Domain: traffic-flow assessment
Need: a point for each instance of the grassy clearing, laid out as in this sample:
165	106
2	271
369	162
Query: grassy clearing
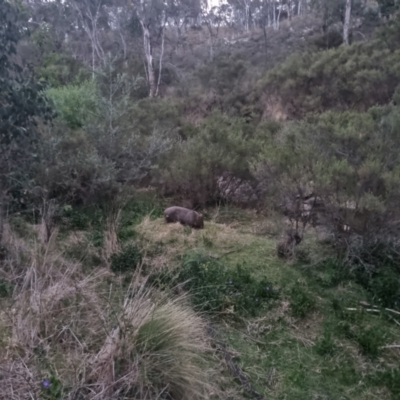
69	320
316	341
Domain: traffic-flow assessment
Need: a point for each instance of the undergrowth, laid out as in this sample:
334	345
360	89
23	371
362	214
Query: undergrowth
73	335
216	288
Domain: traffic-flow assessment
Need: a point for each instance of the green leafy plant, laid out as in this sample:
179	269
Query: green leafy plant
74	103
301	302
5	288
126	261
370	340
52	389
325	345
214	287
389	378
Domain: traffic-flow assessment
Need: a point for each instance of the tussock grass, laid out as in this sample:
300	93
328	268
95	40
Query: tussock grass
90	338
157	344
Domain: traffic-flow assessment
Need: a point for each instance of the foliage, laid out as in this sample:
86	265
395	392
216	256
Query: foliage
330	272
219	146
100	153
75	104
22	105
377	268
301	302
389	378
5	288
370	340
347	161
71	170
388	7
221	73
52	389
216	288
325	346
134	212
126	261
358	76
113	133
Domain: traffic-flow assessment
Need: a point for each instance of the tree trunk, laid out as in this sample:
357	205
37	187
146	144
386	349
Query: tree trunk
1	214
151	76
161	59
347	22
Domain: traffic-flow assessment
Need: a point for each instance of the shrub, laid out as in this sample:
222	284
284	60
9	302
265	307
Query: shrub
76	218
357	76
370	340
301	301
219	146
346	164
126	261
325	345
75	104
376	266
214	287
330	272
70	168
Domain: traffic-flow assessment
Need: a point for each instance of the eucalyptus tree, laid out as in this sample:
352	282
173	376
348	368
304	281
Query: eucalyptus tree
154	16
22	103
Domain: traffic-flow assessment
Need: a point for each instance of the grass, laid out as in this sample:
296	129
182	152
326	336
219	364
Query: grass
94	333
70	333
308	345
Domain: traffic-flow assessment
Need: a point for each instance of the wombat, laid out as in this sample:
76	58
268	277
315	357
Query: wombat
184	216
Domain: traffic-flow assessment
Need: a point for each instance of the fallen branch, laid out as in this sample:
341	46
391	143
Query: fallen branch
392	311
391	346
365	304
395	320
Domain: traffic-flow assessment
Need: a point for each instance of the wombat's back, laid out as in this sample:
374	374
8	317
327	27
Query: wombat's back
184	216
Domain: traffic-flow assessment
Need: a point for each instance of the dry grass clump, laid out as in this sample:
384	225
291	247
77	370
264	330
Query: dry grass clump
156	348
85	337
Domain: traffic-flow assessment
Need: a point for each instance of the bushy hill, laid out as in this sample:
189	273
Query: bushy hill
286	140
354	77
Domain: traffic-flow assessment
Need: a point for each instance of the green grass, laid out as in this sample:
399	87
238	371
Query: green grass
313	340
308	345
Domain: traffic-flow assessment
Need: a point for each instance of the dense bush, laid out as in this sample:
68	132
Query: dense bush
71	169
348	163
216	288
219	146
357	76
75	104
377	268
92	150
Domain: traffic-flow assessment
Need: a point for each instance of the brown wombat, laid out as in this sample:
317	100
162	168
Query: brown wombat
184	216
